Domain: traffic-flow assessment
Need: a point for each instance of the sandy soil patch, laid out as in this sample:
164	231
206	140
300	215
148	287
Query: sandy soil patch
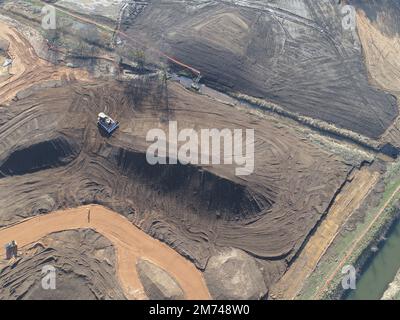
27	68
381	54
130	243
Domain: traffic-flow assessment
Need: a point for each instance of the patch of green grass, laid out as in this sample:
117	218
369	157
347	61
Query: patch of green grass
342	244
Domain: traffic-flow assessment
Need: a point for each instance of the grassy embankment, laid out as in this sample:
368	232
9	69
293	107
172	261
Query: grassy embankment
349	245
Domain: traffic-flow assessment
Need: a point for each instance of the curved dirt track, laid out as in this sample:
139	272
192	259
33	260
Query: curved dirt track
129	242
27	68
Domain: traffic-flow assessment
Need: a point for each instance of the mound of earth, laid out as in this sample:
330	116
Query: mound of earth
192	208
293	53
233	275
37	156
157	283
84	264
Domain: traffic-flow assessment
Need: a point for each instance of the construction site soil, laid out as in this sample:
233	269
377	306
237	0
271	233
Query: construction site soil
379	32
383	12
85	264
293	53
170	270
53	155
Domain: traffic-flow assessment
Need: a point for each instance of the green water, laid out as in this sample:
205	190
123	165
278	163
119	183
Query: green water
380	271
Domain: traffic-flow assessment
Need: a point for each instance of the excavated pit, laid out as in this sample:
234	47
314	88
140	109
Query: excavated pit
193	209
201	189
39	156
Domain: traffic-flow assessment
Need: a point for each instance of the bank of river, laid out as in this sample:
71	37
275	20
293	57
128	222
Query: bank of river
380	270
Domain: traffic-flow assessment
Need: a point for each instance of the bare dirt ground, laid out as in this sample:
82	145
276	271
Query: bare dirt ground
382	53
84	265
129	242
52	156
103	8
189	208
27	68
295	54
349	200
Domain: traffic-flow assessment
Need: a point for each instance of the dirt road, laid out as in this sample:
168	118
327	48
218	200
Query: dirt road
27	68
129	241
354	246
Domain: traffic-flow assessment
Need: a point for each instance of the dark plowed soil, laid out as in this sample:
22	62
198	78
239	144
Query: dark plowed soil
385	12
206	191
38	156
84	267
193	209
293	53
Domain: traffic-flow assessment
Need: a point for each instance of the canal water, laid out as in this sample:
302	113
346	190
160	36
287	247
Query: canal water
380	270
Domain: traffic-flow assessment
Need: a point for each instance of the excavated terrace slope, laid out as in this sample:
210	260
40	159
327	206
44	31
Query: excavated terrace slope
193	209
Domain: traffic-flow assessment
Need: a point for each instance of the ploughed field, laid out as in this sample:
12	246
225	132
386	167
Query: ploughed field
293	53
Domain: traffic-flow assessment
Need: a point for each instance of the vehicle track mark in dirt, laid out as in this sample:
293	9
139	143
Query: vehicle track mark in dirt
267	214
192	209
27	68
345	204
382	53
130	243
354	246
317	73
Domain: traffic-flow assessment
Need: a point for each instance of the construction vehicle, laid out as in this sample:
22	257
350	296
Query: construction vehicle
195	84
106	123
